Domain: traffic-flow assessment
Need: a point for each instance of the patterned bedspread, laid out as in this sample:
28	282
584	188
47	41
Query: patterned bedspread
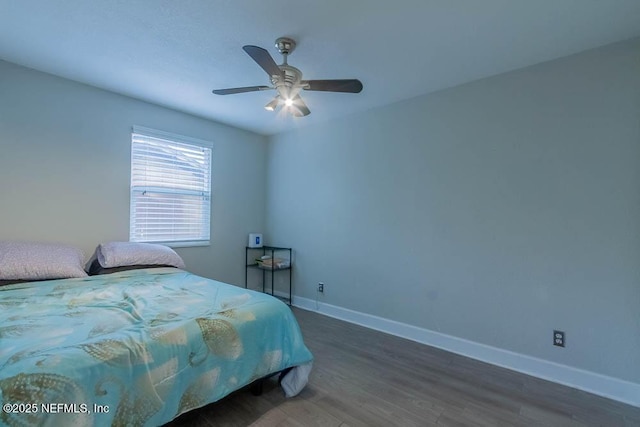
137	347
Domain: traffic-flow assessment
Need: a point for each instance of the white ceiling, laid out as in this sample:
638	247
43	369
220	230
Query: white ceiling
174	52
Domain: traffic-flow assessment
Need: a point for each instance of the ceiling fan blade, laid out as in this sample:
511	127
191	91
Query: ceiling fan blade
299	108
348	85
262	57
231	91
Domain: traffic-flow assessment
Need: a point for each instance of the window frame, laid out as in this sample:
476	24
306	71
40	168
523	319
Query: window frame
178	139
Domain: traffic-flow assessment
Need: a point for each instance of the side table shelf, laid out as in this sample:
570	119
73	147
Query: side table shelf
275	252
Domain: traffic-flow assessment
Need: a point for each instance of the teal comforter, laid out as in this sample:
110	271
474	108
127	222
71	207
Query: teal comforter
137	347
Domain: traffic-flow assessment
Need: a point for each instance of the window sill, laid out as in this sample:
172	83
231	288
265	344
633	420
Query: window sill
183	244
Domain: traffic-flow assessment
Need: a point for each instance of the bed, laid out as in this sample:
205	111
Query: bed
137	347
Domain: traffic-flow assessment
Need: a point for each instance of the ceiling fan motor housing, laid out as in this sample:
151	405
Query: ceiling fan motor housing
289	86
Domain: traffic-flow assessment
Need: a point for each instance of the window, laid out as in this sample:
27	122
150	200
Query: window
170	189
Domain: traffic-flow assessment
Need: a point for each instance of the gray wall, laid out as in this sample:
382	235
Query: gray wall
495	211
65	169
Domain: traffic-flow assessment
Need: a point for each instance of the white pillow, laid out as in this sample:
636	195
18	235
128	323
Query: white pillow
120	254
39	261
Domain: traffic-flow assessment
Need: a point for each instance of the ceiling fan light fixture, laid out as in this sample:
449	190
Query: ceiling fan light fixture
295	111
273	104
288	102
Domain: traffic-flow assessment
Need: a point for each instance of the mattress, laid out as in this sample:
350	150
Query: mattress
135	347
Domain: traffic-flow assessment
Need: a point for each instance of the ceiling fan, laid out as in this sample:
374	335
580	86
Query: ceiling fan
287	80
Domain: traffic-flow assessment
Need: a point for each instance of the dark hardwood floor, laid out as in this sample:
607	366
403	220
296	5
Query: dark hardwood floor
363	377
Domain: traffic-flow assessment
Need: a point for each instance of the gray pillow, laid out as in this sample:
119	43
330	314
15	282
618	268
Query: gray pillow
119	254
39	261
96	269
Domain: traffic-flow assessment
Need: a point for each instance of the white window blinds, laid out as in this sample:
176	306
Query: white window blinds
170	189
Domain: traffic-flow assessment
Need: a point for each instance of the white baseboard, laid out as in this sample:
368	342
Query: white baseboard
602	385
